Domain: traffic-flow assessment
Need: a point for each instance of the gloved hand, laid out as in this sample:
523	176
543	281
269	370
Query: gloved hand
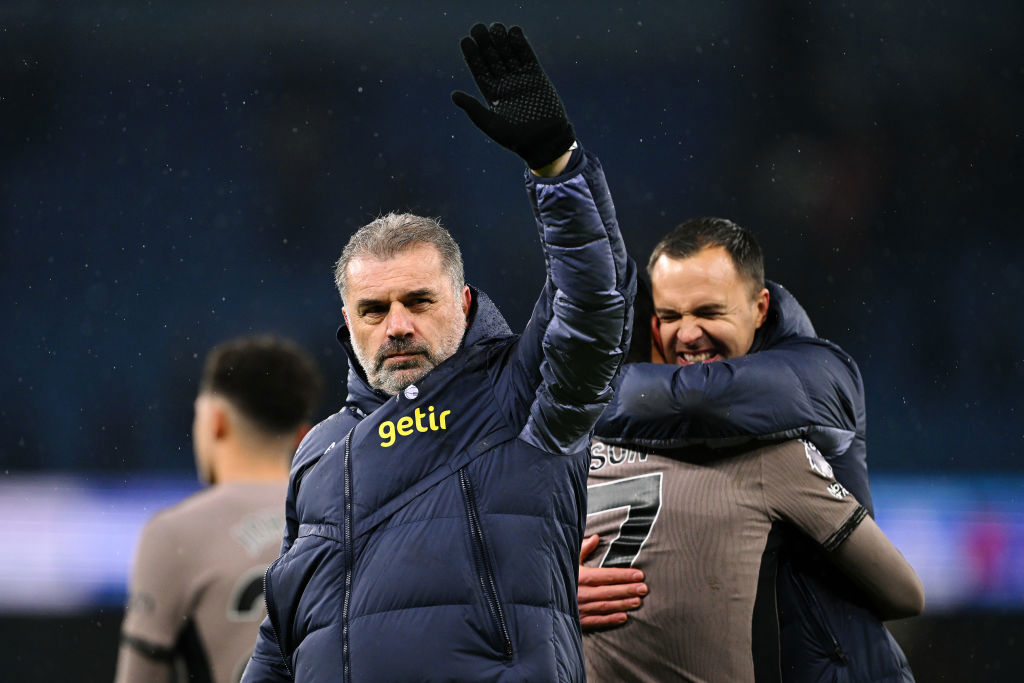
523	112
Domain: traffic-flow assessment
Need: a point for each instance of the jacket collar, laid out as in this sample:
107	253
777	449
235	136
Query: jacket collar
786	318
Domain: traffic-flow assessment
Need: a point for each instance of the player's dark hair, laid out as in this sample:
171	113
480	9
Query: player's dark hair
695	234
272	381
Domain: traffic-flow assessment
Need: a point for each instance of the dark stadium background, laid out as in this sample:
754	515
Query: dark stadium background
175	173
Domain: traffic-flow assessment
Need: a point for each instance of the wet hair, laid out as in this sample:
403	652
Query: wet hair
394	233
274	382
695	234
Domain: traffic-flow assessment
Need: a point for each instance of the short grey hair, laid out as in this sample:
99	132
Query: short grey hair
392	234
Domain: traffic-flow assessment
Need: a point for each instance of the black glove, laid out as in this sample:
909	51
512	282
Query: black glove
524	113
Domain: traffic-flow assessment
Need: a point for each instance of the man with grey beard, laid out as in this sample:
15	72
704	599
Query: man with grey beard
399	255
433	524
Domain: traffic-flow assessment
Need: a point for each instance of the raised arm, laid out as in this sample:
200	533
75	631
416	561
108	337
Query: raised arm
523	112
577	337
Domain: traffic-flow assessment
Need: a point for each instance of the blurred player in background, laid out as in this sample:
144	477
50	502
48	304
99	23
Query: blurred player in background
196	593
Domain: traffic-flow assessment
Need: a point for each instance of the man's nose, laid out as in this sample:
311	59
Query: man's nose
399	321
689	331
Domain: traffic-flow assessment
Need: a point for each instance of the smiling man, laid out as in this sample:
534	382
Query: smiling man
731	469
433	524
708	301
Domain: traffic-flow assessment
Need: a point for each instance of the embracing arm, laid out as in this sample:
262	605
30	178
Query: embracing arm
605	594
803	386
869	558
799	488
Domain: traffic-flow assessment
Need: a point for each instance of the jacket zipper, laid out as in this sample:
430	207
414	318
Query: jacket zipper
267	599
819	616
347	667
483	564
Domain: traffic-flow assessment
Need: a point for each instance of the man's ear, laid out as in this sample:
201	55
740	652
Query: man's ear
657	352
761	302
467	300
220	422
344	314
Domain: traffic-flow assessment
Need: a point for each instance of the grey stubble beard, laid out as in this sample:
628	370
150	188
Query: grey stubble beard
395	379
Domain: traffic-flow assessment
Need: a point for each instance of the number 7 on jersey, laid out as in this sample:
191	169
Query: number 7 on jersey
641	496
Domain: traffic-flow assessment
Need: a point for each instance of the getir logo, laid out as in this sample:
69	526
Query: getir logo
389	431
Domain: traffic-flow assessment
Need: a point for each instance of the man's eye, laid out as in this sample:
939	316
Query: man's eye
667	317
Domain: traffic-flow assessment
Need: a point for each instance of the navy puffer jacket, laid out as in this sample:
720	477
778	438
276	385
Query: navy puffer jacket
434	535
791	384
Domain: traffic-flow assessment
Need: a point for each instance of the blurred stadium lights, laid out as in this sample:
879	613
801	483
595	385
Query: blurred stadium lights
68	541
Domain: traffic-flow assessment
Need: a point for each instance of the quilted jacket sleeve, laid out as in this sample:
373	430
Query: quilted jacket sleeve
576	339
802	387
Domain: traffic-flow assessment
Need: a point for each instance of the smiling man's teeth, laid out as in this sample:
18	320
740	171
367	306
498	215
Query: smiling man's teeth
697	357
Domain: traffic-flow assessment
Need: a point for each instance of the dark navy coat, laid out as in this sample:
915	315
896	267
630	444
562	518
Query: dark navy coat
790	384
435	535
